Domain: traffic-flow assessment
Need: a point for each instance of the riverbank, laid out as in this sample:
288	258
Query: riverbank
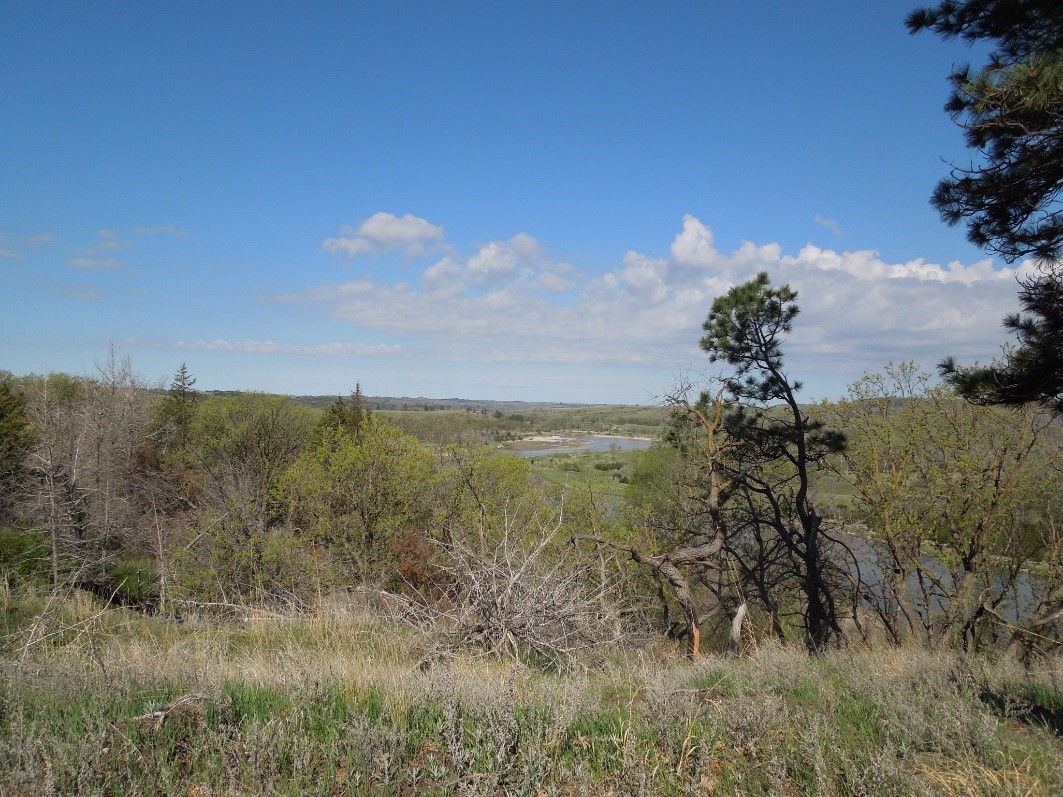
575	443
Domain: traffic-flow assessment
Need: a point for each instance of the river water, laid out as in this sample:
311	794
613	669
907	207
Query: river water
586	444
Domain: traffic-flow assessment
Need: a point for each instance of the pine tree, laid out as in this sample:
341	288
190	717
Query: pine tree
178	409
17	437
351	415
1011	112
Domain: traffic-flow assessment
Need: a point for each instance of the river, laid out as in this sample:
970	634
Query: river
547	445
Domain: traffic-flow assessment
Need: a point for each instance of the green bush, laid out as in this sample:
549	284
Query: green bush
24	554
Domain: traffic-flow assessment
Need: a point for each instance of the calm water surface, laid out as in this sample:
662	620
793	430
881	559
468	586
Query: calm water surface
590	444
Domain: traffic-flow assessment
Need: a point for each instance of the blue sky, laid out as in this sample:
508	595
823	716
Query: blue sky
487	200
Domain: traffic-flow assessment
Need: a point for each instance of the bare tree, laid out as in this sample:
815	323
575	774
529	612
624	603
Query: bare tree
85	494
525	595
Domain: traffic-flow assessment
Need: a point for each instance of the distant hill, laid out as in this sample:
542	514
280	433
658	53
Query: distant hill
422	403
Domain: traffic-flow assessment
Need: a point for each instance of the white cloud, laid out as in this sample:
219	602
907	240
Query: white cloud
444	279
494	261
552	282
10	253
110	242
645	276
866	265
695	245
857	310
383	232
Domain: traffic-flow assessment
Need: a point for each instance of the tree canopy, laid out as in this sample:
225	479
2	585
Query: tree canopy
1011	111
16	439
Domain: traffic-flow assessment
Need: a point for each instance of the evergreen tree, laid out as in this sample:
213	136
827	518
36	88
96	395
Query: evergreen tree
776	534
17	437
1031	372
177	409
351	415
1011	111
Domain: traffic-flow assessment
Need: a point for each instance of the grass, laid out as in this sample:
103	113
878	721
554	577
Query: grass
603	473
335	704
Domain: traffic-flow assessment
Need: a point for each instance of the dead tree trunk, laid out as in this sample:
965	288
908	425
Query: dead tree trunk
734	645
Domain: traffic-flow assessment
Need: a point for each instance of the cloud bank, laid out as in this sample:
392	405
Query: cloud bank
509	302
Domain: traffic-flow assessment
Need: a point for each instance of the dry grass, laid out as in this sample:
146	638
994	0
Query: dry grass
334	703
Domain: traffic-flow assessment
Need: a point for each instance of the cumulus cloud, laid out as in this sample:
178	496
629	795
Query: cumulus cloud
857	310
695	245
383	232
493	262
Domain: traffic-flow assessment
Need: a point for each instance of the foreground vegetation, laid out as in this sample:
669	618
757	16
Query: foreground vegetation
340	701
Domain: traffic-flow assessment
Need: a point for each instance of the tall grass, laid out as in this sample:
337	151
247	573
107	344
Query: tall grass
335	703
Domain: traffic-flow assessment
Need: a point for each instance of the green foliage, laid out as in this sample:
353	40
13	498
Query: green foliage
479	487
176	411
133	579
24	554
1032	371
240	448
959	499
663	495
1010	114
350	415
17	438
745	329
603	473
356	493
244	444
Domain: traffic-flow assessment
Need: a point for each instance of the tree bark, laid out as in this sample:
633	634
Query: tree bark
734	645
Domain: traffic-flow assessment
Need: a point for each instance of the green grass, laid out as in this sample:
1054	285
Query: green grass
335	704
603	473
